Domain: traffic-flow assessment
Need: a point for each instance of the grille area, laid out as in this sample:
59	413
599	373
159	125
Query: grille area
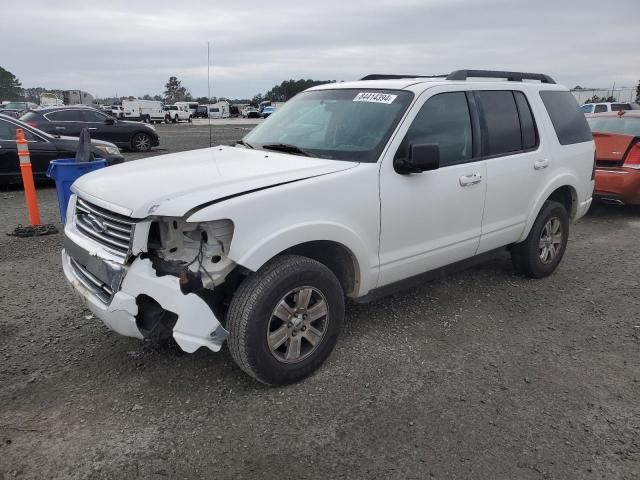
112	230
100	289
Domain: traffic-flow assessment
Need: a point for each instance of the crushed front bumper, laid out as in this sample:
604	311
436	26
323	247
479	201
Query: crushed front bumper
115	302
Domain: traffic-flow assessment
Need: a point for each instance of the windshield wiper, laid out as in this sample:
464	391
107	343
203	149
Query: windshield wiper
287	148
244	144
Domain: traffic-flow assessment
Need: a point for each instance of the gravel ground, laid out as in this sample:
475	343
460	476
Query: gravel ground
480	375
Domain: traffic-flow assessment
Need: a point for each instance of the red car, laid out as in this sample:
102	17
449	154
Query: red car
617	138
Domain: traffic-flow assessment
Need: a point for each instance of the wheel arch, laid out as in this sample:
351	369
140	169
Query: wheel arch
562	190
338	248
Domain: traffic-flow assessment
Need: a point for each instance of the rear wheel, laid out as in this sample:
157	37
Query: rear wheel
285	319
147	119
175	119
540	253
141	142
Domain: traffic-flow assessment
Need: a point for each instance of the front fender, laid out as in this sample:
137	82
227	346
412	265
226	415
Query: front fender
253	252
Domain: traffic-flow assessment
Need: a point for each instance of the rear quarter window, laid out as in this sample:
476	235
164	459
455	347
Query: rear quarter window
567	118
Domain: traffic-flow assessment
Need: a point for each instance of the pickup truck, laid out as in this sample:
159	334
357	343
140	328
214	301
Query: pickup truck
177	113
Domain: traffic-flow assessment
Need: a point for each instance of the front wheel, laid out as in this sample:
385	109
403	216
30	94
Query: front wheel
175	119
141	142
285	319
190	119
540	253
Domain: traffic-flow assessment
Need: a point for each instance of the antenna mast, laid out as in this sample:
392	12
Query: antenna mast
209	92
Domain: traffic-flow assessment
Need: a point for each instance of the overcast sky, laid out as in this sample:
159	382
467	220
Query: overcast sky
132	47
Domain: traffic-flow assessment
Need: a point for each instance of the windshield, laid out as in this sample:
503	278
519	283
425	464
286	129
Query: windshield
626	126
340	124
587	108
14	105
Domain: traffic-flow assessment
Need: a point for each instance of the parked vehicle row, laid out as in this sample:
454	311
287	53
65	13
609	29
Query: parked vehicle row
43	148
70	121
392	177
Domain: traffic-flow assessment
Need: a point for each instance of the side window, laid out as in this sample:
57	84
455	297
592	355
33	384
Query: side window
587	108
528	129
91	116
444	121
502	122
8	132
65	116
600	108
568	120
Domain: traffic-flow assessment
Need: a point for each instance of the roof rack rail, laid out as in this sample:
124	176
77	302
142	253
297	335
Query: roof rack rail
510	76
384	76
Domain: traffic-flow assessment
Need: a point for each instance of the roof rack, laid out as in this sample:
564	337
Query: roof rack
384	76
510	76
464	74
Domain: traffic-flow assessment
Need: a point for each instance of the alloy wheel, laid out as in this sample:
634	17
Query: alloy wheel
298	324
550	240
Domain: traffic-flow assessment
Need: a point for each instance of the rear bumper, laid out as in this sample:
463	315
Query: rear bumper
621	184
196	325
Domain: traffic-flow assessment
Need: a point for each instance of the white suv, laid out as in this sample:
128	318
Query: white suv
350	189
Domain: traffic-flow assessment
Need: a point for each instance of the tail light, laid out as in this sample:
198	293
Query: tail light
593	171
633	157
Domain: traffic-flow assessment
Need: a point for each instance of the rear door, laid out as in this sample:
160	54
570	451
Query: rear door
64	122
517	166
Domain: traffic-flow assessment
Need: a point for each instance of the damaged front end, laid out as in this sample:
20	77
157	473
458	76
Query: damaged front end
151	279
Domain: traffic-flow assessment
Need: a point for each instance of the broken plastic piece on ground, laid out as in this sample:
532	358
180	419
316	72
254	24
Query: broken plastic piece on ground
33	230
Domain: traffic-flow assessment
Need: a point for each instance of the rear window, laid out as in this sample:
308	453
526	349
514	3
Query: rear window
616	107
625	126
567	118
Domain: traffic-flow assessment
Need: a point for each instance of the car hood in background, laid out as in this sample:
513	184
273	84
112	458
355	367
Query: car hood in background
171	185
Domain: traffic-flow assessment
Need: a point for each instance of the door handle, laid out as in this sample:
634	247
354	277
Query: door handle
59	128
92	128
540	164
472	179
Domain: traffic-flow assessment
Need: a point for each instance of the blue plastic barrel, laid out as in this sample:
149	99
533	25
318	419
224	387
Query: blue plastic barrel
64	172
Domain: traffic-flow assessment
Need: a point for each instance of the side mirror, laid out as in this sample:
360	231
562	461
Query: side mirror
109	121
422	158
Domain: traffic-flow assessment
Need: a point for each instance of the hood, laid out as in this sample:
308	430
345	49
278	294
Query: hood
612	146
171	185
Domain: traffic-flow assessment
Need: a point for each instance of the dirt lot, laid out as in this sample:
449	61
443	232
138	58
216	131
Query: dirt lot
481	375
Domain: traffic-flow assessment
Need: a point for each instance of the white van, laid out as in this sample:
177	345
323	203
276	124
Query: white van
148	111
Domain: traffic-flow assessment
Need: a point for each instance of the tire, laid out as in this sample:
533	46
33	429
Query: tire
190	119
167	119
252	315
141	142
547	239
175	119
147	119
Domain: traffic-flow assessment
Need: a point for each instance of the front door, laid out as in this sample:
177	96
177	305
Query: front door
434	218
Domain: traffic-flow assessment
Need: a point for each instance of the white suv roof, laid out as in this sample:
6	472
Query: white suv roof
482	78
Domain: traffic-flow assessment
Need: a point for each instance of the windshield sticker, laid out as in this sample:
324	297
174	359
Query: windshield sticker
375	97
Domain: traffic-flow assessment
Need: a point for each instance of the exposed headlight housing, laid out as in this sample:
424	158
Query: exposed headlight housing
109	149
